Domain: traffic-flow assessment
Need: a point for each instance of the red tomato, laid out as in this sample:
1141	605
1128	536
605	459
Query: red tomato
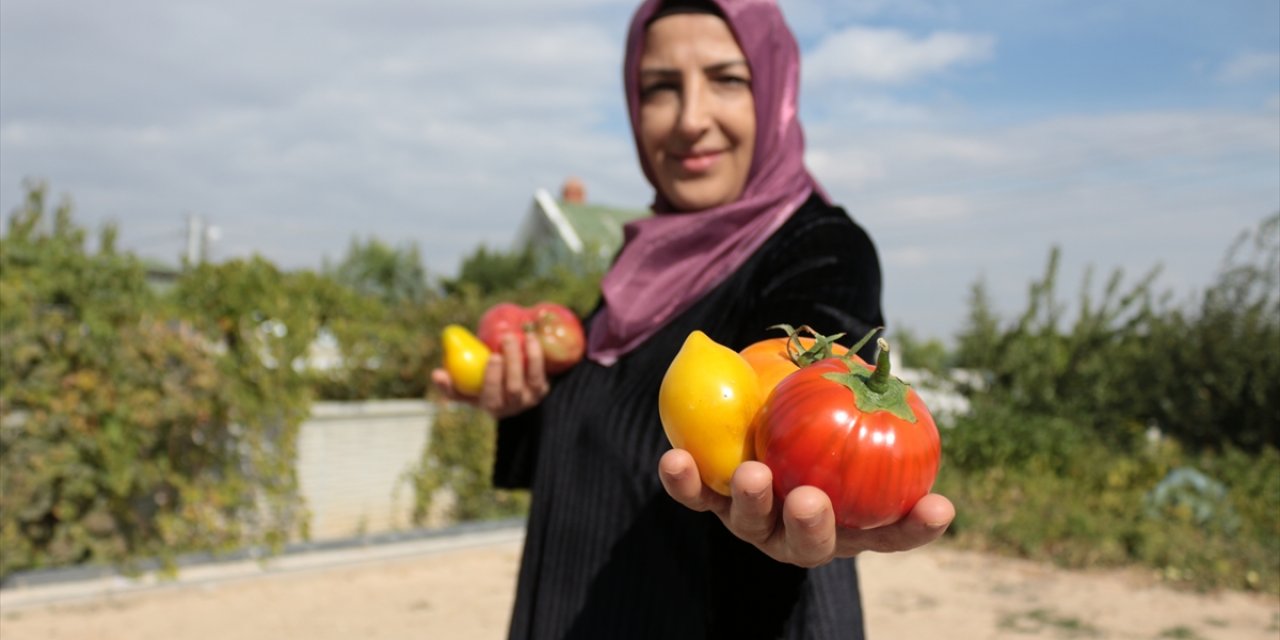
560	334
502	319
852	430
557	328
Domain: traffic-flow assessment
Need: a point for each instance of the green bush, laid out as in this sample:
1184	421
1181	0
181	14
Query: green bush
120	435
458	462
1078	429
1087	506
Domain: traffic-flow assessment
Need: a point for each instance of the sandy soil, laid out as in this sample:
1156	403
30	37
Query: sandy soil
465	594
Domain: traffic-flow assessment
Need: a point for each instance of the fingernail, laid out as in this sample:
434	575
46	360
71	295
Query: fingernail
810	520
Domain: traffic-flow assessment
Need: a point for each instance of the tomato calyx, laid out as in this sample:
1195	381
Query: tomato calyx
821	349
875	389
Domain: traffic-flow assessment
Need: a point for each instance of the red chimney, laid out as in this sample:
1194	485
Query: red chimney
573	191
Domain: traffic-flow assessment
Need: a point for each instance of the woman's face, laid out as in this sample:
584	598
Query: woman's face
697	115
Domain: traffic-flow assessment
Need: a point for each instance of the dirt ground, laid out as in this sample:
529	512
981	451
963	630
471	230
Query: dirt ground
465	594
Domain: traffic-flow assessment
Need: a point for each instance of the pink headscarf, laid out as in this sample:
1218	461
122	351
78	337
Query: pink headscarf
670	260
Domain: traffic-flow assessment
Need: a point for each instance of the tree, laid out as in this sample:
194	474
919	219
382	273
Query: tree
489	272
393	275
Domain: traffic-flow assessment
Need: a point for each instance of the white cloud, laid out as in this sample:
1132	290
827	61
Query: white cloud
1120	190
892	56
1250	65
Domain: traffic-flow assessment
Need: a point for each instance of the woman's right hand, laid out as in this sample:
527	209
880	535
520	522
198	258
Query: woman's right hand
512	383
800	529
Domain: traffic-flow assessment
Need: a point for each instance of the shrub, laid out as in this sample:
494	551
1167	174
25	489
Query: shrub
458	462
118	437
1077	443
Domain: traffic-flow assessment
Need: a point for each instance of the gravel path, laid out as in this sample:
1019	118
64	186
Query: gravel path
462	589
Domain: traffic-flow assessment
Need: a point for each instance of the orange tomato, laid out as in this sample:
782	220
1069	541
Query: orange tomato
772	361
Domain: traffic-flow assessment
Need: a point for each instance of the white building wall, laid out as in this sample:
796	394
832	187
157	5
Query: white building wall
353	458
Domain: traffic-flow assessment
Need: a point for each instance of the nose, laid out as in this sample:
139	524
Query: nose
695	110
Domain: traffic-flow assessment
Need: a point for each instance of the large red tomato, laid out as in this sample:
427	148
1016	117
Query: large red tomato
502	319
560	334
852	430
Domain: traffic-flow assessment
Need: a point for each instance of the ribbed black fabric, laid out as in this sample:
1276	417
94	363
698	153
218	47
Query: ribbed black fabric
608	554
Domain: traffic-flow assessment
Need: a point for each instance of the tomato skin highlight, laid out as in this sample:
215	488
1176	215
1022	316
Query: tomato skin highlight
465	358
707	401
874	465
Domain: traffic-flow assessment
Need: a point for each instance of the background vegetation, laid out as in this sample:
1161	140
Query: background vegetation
1139	431
1127	425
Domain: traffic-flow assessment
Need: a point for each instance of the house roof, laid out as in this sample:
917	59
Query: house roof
598	225
577	224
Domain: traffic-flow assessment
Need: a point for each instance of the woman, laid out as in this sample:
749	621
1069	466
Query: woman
743	239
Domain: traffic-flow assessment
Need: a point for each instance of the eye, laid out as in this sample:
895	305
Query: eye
653	89
732	80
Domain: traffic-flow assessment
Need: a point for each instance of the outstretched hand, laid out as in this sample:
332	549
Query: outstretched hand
512	383
802	530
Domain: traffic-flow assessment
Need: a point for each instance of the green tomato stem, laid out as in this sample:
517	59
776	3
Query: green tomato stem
875	391
879	380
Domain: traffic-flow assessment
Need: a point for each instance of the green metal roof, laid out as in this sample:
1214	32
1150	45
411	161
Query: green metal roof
597	225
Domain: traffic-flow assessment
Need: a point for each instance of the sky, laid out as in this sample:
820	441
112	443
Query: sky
968	138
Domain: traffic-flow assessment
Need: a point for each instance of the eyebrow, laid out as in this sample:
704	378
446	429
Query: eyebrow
713	68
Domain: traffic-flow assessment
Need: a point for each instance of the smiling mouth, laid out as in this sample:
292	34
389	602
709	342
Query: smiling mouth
699	162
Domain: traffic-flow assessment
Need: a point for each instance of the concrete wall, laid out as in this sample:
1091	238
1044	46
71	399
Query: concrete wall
352	461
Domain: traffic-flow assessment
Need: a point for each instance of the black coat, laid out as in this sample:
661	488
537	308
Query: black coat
608	554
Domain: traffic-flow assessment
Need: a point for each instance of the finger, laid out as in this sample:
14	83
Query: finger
444	382
514	371
751	514
926	522
492	394
535	369
679	475
810	526
934	512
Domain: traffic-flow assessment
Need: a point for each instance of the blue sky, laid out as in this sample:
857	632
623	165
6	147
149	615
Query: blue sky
967	137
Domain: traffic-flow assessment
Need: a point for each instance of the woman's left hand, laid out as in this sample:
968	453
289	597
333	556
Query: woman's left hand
801	531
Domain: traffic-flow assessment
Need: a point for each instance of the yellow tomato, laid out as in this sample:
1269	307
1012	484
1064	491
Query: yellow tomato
465	358
707	401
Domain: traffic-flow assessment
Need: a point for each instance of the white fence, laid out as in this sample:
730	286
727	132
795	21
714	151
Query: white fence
352	461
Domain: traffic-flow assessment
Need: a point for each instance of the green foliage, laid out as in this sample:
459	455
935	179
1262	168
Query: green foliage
927	355
1085	506
517	277
375	318
491	272
379	350
1214	366
263	322
1080	434
1036	367
117	431
459	462
392	275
